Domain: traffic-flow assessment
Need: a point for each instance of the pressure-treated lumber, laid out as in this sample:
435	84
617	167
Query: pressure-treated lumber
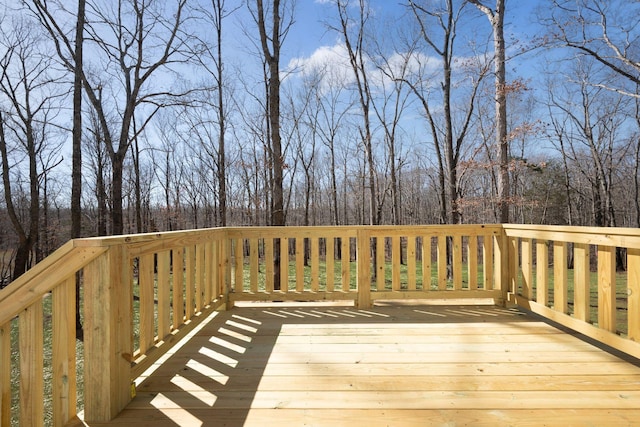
310	364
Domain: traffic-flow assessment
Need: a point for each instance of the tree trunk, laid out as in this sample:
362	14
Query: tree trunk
76	156
271	51
76	167
496	18
117	223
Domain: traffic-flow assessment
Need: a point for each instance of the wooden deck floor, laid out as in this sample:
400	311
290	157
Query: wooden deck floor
388	366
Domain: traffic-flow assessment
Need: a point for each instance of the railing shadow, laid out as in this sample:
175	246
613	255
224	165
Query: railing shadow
214	378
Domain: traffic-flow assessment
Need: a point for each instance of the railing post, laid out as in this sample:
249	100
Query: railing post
363	259
108	335
501	262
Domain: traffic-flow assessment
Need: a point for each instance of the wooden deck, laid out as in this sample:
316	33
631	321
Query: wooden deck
407	365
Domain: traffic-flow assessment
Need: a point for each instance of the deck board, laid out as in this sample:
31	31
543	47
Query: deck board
401	366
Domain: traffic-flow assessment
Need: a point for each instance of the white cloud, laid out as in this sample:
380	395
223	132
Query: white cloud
332	62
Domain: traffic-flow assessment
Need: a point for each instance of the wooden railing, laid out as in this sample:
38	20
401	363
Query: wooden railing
135	309
142	293
364	264
585	278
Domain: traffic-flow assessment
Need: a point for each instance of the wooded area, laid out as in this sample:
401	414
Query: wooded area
132	116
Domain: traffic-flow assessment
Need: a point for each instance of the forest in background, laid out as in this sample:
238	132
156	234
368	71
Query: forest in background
132	116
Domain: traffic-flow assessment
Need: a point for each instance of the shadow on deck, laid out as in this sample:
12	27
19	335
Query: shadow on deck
305	364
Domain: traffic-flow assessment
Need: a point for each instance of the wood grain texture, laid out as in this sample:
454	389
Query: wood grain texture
5	374
396	365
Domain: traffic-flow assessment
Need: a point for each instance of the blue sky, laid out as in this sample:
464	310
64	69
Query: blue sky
310	33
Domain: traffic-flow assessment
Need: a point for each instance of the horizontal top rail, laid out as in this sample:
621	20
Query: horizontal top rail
44	276
605	236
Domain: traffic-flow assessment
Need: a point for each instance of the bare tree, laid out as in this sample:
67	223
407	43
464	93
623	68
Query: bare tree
30	91
353	32
99	166
389	111
136	39
76	167
604	30
589	137
437	30
213	62
274	23
496	18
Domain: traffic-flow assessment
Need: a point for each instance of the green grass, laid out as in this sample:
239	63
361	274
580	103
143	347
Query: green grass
621	296
621	284
47	368
322	272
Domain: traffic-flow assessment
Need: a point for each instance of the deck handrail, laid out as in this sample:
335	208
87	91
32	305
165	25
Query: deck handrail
591	307
136	307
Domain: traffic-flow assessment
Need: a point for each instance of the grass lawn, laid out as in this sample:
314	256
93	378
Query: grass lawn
621	296
47	368
337	274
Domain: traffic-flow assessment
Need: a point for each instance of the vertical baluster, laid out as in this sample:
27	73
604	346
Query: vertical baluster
542	272
190	278
268	264
633	292
164	292
238	284
395	263
224	265
442	262
208	283
488	262
411	263
5	374
457	262
64	351
607	288
472	262
284	264
253	264
363	256
216	269
581	282
527	269
200	277
31	365
330	264
426	263
514	258
381	265
146	300
345	264
299	263
560	302
178	287
315	263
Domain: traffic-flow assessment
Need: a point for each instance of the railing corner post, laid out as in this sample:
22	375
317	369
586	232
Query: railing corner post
108	335
363	259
